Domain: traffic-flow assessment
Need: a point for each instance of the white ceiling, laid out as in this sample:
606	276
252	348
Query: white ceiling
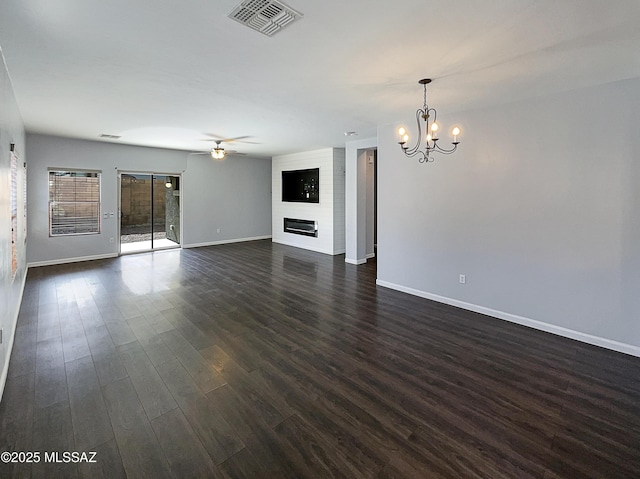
164	72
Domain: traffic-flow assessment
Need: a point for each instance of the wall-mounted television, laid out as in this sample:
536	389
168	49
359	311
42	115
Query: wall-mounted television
301	185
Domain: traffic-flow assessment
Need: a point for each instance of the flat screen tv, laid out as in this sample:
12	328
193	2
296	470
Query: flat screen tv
301	185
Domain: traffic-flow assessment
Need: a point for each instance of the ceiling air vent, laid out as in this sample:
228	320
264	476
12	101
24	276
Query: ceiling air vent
266	16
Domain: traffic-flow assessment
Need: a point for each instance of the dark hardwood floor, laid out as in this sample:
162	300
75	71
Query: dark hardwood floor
260	360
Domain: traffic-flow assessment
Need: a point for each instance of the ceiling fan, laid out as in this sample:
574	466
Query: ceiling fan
218	152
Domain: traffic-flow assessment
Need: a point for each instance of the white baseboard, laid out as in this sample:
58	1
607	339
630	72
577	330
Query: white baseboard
532	323
317	250
235	240
71	260
355	261
12	334
370	255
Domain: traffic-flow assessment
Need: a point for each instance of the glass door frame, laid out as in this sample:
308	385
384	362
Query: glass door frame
119	195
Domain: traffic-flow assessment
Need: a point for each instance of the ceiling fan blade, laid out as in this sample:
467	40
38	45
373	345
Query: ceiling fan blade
237	138
221	139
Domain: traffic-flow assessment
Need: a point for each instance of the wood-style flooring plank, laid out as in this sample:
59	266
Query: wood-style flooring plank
107	465
139	449
51	383
263	403
218	437
152	392
16	422
243	465
107	361
258	437
150	340
185	453
91	424
53	433
23	356
74	341
202	372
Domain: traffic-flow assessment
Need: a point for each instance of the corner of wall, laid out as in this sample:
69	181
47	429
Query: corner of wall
12	226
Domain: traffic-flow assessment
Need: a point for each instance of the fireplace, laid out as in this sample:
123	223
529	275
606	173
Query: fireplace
301	227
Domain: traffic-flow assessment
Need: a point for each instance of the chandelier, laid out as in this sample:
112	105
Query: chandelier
428	116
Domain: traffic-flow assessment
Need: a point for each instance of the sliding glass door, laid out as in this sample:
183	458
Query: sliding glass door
149	212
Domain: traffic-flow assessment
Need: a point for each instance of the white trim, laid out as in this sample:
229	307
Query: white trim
235	240
154	250
71	260
370	255
532	323
317	250
9	347
355	261
72	170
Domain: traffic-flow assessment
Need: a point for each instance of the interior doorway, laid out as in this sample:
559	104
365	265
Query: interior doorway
149	212
371	210
361	205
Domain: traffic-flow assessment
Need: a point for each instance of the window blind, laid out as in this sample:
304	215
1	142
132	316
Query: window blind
74	202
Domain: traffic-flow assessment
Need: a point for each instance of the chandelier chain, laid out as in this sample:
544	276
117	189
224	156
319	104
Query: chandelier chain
425	98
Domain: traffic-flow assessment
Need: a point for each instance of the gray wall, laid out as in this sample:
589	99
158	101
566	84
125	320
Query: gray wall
11	131
540	208
232	195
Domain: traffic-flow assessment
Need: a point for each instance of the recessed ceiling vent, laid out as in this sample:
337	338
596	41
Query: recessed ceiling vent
266	16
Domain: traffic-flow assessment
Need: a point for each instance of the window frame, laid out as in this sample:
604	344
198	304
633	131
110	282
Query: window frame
51	173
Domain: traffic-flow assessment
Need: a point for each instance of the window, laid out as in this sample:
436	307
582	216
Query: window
74	202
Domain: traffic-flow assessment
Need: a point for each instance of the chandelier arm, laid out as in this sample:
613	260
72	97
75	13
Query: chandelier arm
416	152
429	112
412	151
445	151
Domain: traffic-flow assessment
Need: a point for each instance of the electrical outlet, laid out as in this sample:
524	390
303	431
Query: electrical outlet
463	279
111	240
218	230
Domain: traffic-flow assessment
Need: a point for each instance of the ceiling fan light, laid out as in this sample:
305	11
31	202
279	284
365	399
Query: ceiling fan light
217	153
